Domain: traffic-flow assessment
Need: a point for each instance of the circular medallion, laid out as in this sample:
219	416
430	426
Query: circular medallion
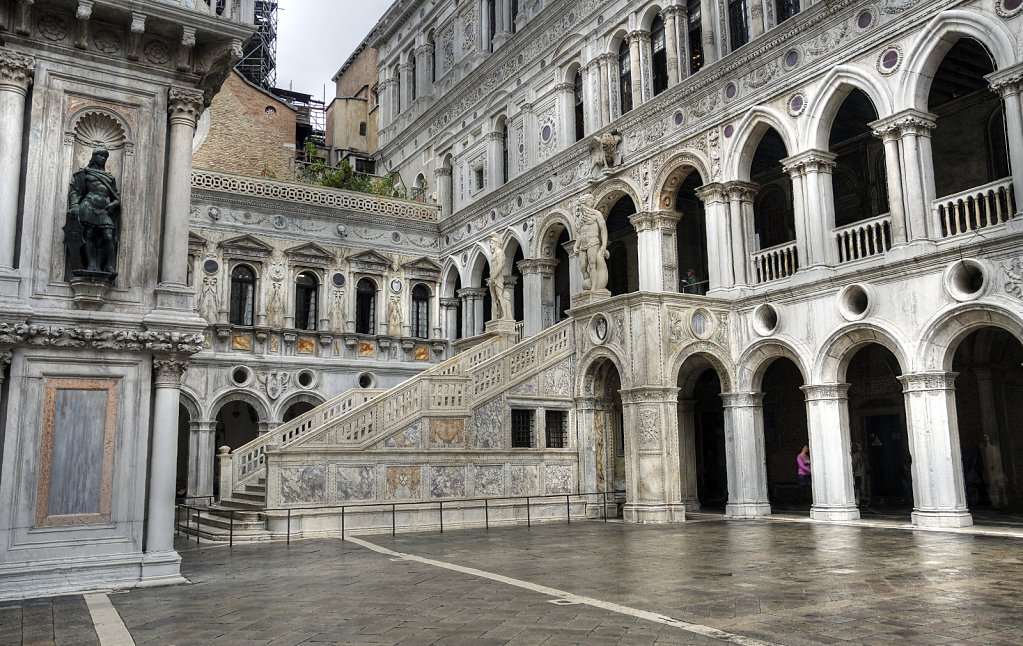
864	20
341	229
731	91
729	131
679	118
598	329
888	61
338	279
396	286
797	103
210	266
280	222
792	58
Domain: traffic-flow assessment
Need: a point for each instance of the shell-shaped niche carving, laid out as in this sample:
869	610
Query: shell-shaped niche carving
99	128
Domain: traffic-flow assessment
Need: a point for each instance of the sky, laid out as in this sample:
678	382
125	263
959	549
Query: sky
315	38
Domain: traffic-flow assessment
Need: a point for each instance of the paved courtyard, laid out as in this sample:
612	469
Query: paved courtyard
710	581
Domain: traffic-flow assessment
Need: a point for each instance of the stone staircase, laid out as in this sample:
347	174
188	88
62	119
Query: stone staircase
239	515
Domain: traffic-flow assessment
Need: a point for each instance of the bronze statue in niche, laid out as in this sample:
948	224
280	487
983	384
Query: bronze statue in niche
93	227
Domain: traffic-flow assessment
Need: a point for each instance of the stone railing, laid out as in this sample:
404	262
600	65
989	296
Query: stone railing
314	195
247	460
779	261
977	208
864	238
234	10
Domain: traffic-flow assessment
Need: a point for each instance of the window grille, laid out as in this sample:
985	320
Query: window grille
420	312
556	423
521	429
738	26
243	288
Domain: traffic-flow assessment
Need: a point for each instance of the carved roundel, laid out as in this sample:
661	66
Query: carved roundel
1007	8
211	266
796	104
396	286
598	329
338	279
52	27
702	323
889	59
866	19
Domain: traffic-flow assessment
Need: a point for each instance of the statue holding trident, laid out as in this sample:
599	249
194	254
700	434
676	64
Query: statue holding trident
93	226
591	244
500	299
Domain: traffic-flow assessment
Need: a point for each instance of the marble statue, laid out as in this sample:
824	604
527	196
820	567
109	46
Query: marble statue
93	226
606	152
500	299
591	244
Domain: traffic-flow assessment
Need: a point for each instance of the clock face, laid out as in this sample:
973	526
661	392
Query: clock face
396	286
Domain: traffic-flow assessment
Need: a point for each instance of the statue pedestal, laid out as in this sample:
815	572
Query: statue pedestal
89	293
589	297
505	330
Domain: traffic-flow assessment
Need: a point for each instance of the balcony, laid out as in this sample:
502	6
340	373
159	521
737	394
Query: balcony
864	239
977	208
774	263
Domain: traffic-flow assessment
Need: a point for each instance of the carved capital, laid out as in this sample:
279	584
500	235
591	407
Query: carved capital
543	266
638	35
185	105
16	71
1007	82
138	22
654	220
924	382
187	36
742	191
826	392
742	400
711	193
168	371
425	49
673	12
442	172
914	122
564	87
650	395
84	11
810	161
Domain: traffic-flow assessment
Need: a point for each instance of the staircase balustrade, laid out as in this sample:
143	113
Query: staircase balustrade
978	208
864	239
773	263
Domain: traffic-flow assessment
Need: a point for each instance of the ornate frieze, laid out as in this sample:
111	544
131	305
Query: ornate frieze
99	339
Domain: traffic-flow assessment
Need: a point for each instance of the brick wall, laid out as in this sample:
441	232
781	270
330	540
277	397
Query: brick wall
244	137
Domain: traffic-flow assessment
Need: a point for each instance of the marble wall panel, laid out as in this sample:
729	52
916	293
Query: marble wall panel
489	480
447	433
523	480
355	483
303	484
527	387
447	482
411	437
557	380
404	483
559	478
487	424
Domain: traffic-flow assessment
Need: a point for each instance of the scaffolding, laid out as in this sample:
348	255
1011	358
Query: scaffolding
259	62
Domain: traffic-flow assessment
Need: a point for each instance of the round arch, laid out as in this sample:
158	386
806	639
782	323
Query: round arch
478	257
510	236
550	229
614	40
756	359
261	407
839	348
608	193
450	275
748	132
944	332
589	363
646	19
307	396
709	353
940	35
835	87
671	175
190	400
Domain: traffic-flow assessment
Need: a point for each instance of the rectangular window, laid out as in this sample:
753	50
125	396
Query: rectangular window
365	166
738	27
362	129
556	423
479	178
521	429
787	9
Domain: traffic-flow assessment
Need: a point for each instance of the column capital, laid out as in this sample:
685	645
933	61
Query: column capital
711	193
16	70
928	381
608	58
442	172
185	105
742	191
470	292
638	35
537	266
564	87
910	121
673	11
168	371
742	400
654	220
449	303
825	392
1007	82
425	49
650	395
809	161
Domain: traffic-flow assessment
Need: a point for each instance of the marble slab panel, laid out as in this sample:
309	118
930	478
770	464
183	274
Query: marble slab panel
557	380
404	483
306	346
559	478
487	424
355	483
523	480
241	342
411	437
489	480
447	482
303	484
365	349
421	353
447	433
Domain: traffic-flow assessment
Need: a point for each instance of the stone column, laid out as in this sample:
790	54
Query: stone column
494	141
889	134
443	177
605	89
687	454
939	493
682	38
708	31
590	442
185	104
827	418
565	93
797	172
409	83
636	65
912	127
473	309
740	202
1009	84
529	133
538	309
818	217
16	71
719	266
651	227
670	15
200	458
160	564
744	454
575	273
424	69
651	456
757	24
594	101
449	312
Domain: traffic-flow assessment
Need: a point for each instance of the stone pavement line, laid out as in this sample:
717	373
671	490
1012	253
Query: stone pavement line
109	627
699	629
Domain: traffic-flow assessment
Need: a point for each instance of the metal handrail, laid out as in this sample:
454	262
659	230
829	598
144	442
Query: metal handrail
394	510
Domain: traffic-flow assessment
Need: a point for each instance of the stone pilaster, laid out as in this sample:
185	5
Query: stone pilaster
638	40
608	110
1008	83
827	417
16	72
671	15
709	26
472	310
449	313
740	228
939	493
720	264
687	454
744	455
200	457
443	176
653	487
893	172
537	294
425	69
185	105
652	228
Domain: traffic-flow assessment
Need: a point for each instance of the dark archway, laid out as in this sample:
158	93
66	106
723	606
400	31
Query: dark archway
691	238
184	437
562	281
609	433
774	220
237	424
297	410
860	182
622	263
702	438
785	434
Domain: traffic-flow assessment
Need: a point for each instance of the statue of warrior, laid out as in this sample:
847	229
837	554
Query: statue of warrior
93	226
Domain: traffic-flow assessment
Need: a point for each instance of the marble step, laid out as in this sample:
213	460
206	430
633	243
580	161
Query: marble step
211	532
250	496
224	523
256	488
245	505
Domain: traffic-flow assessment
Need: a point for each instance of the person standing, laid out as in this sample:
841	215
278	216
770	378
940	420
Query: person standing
803	474
859	471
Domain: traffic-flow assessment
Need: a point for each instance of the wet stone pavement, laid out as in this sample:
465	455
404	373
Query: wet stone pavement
708	581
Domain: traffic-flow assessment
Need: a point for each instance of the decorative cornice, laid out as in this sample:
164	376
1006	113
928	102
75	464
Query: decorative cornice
185	104
924	382
12	334
826	392
16	70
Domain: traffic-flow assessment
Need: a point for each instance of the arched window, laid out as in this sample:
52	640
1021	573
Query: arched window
397	89
514	14
659	60
505	156
578	92
420	312
243	290
306	287
433	48
787	9
625	76
413	85
365	306
492	15
738	25
695	36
